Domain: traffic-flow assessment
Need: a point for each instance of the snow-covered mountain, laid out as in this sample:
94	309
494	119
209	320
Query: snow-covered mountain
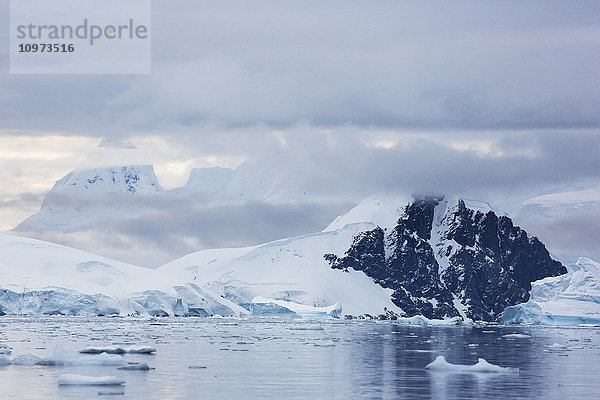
88	196
569	299
443	259
438	258
247	182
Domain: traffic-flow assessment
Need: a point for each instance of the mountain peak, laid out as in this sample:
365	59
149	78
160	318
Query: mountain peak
132	179
444	259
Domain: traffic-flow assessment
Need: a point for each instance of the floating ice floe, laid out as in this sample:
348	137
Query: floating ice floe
263	307
82	380
421	320
4	361
118	350
557	346
65	358
516	336
307	328
326	343
440	364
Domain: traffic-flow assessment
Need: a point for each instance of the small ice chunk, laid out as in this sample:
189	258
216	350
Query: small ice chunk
118	350
516	336
440	364
197	367
26	359
83	380
326	343
306	328
140	350
557	346
136	367
4	361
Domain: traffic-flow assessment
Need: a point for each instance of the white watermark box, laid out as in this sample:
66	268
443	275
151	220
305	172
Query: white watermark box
80	37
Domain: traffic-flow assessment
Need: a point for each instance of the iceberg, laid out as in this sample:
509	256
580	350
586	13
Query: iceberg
136	367
263	307
65	358
440	364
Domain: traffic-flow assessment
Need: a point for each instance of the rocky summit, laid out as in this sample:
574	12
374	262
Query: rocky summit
444	259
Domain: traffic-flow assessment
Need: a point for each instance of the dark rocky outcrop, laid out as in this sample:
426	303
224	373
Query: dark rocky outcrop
443	259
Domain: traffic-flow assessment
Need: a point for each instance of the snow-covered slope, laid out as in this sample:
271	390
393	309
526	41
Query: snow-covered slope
381	210
569	299
384	210
42	278
290	270
557	205
38	277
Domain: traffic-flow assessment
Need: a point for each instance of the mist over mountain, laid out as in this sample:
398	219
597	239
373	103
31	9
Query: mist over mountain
124	213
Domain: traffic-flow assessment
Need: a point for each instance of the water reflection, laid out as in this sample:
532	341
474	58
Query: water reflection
271	359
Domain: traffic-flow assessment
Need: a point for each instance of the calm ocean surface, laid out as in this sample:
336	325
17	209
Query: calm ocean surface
275	359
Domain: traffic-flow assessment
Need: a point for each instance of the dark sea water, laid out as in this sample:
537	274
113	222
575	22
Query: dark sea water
275	359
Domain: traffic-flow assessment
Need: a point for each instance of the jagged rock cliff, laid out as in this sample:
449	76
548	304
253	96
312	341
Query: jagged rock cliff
443	259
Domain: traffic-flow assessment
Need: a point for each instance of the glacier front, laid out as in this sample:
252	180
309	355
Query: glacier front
570	299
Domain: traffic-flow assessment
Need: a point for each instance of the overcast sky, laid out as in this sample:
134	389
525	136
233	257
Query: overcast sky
496	99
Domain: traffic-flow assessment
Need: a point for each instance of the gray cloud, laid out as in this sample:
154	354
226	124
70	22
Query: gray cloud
23	200
570	237
465	65
338	169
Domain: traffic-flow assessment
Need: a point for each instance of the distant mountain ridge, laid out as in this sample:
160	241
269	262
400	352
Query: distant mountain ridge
439	259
